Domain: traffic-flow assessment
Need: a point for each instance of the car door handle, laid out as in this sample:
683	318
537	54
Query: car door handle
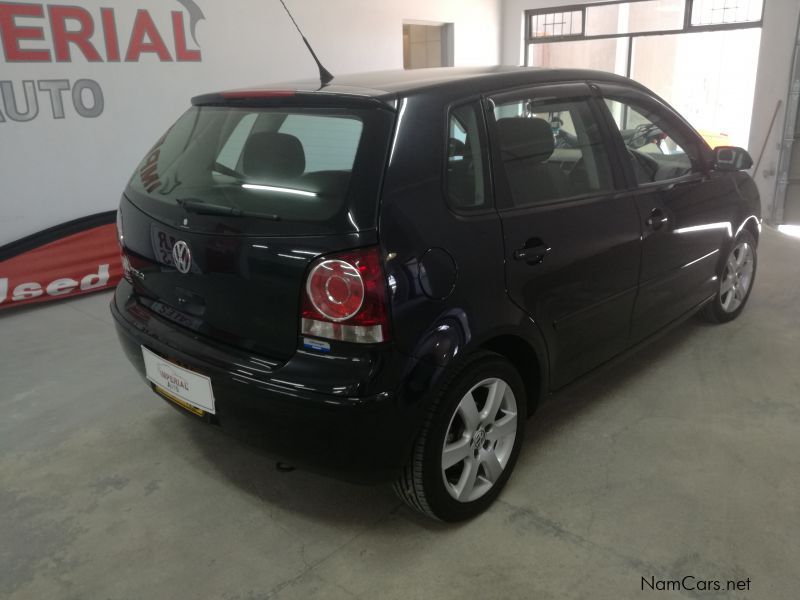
533	252
657	219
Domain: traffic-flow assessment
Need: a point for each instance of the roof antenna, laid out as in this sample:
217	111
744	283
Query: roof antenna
325	76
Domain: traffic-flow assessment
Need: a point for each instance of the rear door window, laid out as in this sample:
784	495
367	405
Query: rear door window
466	181
551	149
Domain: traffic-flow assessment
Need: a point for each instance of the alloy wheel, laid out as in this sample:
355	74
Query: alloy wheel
479	440
737	277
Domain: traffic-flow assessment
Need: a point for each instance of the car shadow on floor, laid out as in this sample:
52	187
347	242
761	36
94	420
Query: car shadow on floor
255	472
602	384
324	498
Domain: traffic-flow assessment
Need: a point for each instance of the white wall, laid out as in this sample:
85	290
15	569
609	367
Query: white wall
774	64
772	84
54	170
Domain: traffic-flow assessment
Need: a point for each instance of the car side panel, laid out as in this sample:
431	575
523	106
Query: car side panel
581	292
688	225
416	223
679	260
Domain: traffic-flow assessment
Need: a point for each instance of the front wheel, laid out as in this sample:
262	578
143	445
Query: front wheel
735	281
469	442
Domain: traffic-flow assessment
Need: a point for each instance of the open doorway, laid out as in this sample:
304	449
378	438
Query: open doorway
427	45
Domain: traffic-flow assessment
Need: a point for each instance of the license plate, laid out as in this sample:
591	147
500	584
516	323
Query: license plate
185	388
176	316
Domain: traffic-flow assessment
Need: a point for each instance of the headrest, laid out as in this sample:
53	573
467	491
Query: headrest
523	138
272	155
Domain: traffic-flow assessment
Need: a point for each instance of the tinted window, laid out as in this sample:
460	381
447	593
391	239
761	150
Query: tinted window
330	143
466	187
658	150
296	163
551	150
232	149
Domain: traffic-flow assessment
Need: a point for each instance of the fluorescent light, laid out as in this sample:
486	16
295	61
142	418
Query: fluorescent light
792	230
272	188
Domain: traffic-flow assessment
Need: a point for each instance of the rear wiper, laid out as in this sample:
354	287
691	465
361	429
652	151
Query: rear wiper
205	208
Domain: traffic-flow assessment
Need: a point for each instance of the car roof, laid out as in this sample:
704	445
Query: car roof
388	85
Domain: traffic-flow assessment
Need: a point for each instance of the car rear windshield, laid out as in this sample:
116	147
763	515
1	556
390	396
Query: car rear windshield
279	164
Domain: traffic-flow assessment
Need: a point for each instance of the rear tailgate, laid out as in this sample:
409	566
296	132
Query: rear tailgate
242	291
223	216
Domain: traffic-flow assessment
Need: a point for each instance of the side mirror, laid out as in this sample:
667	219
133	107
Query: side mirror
731	158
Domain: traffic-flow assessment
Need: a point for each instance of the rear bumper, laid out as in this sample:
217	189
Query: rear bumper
362	437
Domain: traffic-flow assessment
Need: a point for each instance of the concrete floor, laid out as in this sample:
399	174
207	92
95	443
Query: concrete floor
683	461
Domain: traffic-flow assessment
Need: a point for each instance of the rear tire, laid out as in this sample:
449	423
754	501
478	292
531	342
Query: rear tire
469	442
735	281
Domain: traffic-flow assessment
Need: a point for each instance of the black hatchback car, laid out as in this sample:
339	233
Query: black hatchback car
382	277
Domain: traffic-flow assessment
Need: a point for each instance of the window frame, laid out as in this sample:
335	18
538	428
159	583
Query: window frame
581	8
687	27
488	179
701	165
570	90
529	37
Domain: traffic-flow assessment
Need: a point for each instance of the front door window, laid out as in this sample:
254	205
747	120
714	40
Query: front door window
658	151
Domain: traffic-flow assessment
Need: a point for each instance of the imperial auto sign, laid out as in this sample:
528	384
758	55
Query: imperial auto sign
86	87
97	36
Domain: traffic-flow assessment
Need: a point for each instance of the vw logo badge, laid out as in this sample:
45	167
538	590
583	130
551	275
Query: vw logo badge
182	257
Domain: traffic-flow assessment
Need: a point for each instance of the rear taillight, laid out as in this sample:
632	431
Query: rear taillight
345	298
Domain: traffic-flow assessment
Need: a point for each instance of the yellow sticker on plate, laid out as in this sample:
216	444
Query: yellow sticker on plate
182	403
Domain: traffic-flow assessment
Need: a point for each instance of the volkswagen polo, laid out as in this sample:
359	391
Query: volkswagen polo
382	277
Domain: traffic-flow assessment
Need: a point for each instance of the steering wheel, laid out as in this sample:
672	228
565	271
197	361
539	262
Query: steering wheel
642	134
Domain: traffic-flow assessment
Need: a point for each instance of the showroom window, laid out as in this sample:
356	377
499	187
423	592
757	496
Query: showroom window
639	16
700	55
718	12
559	24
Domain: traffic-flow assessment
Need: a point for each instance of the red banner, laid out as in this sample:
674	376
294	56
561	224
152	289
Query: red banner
76	264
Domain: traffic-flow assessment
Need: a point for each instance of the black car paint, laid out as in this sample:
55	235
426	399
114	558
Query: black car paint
609	281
